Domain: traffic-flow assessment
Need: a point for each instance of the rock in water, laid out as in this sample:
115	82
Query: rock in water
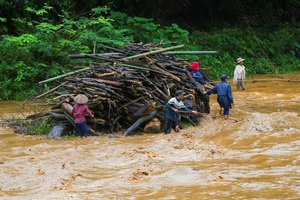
56	131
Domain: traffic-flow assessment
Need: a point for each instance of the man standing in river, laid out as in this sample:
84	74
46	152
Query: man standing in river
239	74
225	99
174	105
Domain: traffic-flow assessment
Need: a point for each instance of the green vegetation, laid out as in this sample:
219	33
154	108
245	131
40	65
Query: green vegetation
266	51
42	39
40	127
70	136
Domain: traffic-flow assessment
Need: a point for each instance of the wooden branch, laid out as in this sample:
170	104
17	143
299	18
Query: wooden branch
53	89
140	121
160	68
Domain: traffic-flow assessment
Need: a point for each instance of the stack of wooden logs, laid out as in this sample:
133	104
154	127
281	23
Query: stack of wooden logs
127	89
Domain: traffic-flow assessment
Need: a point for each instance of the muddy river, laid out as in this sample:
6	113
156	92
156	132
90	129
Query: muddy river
253	155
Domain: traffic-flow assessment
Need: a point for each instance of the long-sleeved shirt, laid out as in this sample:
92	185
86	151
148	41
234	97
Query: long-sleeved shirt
177	104
239	73
79	111
197	75
223	90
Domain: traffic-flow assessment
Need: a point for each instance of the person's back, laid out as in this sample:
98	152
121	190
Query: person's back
79	111
222	88
224	98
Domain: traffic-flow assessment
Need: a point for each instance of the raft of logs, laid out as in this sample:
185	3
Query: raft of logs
127	89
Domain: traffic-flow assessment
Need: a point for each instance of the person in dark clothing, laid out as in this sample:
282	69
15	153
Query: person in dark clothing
224	92
196	74
174	105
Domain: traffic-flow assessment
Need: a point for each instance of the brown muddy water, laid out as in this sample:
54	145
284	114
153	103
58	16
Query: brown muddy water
253	155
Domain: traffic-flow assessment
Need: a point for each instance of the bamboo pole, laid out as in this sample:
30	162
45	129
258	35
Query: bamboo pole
153	52
64	75
74	56
191	52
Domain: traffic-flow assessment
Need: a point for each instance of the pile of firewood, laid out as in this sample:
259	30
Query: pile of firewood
127	89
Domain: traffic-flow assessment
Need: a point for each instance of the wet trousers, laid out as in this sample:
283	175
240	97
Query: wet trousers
240	83
82	129
169	125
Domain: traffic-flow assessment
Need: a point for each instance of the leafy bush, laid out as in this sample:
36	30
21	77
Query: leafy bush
41	49
265	51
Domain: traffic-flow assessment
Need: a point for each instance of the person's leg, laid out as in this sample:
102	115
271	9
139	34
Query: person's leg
78	129
243	85
226	112
220	110
168	126
82	129
238	84
176	127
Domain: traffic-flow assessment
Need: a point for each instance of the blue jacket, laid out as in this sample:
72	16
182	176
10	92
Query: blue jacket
175	103
196	74
223	90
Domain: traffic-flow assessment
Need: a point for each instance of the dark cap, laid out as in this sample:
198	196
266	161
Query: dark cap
224	76
178	92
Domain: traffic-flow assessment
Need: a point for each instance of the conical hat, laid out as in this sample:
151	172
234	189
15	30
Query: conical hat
81	99
239	60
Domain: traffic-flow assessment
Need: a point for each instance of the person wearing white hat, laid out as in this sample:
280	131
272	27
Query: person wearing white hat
239	74
79	111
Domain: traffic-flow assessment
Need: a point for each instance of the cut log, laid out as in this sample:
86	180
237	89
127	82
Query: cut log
139	122
154	126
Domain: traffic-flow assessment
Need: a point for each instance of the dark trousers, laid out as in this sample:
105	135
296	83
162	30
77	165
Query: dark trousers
169	125
82	129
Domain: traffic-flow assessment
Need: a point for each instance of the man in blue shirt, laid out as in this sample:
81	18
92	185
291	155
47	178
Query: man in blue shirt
174	105
223	90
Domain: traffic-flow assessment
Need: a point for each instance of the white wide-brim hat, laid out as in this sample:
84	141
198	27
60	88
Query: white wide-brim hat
240	60
81	99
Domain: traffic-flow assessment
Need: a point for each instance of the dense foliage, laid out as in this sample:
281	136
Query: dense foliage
37	39
193	14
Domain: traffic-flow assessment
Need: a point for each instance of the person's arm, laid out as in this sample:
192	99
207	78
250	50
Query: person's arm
212	91
72	111
229	94
186	109
89	112
235	74
171	106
